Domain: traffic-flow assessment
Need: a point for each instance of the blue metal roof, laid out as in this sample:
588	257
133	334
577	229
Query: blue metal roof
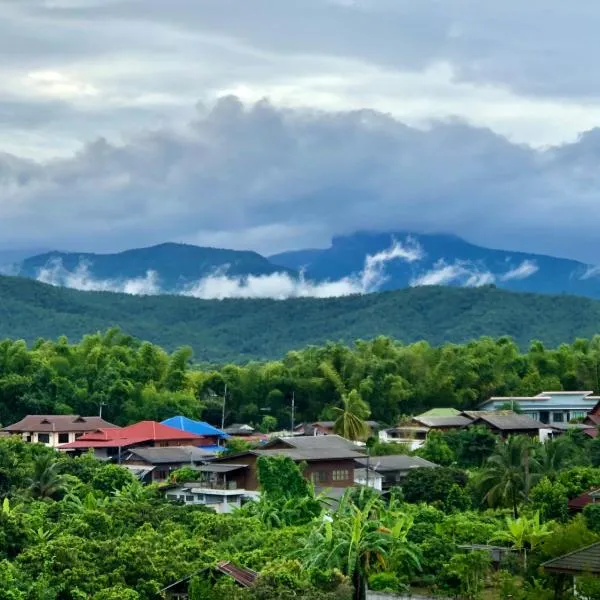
213	449
196	427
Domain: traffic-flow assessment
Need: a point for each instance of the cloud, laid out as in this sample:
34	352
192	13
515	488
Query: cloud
526	269
460	273
54	273
219	285
261	177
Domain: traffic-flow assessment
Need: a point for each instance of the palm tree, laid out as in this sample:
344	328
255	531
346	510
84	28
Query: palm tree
553	455
509	474
46	481
357	542
351	415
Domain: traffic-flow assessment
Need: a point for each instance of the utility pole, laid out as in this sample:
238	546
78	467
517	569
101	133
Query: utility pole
368	463
223	413
293	407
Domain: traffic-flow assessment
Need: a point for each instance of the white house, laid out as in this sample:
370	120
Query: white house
221	500
547	407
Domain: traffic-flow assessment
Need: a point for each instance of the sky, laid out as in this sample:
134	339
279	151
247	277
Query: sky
276	124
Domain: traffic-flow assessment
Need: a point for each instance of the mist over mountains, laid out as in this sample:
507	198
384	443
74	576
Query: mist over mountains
355	264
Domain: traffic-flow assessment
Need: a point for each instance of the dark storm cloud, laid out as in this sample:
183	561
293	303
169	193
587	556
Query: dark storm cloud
235	171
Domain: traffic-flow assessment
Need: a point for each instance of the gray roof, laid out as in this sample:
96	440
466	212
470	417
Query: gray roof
315	442
510	422
567	426
210	468
312	453
584	560
139	471
171	454
362	474
395	462
456	421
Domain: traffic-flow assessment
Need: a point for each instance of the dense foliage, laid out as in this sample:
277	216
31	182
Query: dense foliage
240	330
386	379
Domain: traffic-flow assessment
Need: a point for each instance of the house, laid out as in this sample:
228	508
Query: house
412	436
582	562
547	407
507	423
159	462
395	467
53	430
330	460
211	436
580	502
240	430
592	419
368	478
108	443
327	428
442	423
219	486
179	589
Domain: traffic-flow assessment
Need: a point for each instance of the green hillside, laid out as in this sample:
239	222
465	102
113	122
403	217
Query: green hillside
221	330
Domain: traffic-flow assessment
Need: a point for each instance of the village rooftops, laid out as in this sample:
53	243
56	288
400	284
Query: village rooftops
171	454
312	442
58	423
311	454
509	422
585	561
442	422
133	435
196	427
395	462
440	412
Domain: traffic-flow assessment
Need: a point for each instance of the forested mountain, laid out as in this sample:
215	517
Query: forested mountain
448	260
175	265
419	260
240	330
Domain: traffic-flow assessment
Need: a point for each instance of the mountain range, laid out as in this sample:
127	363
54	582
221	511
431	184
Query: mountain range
242	329
357	263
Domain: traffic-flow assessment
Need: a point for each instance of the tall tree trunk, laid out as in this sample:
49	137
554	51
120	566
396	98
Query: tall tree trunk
360	586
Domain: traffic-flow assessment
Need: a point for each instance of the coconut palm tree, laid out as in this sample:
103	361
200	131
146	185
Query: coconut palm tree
350	416
46	481
553	455
509	473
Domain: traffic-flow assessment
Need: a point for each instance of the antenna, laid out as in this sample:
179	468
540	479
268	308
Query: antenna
101	405
223	413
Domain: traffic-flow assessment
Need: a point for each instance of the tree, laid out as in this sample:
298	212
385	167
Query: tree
433	485
524	533
355	541
268	423
550	500
46	482
509	474
350	417
112	478
437	450
466	573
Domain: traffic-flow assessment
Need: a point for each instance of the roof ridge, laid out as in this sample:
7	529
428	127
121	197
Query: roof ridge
572	552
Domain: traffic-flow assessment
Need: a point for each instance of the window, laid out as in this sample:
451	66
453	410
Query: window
558	417
341	475
189	498
28	438
318	477
160	474
43	438
63	438
171	496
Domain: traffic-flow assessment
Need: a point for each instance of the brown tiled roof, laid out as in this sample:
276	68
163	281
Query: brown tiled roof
58	423
585	560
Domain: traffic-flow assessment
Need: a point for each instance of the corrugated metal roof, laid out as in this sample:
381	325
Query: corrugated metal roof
511	422
457	421
196	427
395	462
171	454
584	560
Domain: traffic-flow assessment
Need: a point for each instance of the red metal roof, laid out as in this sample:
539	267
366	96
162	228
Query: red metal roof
144	431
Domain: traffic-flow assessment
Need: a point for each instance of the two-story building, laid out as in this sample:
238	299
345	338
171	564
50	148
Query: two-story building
54	430
547	407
